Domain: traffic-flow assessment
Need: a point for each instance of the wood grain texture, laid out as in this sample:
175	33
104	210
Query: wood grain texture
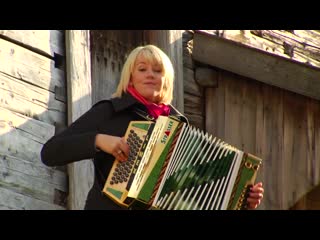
256	64
48	42
31	101
79	101
29	67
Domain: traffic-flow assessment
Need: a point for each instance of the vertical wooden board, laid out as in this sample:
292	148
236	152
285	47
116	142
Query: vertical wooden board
211	111
263	175
42	41
176	56
273	147
233	107
312	107
296	169
316	163
215	108
79	101
248	115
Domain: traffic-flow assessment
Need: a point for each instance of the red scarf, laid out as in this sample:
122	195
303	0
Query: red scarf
155	110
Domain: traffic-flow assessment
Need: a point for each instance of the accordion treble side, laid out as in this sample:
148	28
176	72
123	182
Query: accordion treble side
174	166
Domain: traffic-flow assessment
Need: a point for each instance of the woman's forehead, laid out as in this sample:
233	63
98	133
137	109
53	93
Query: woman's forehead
147	59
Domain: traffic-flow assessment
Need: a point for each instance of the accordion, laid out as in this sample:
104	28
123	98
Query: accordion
175	166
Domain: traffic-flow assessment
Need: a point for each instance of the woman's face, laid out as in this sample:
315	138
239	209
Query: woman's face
147	79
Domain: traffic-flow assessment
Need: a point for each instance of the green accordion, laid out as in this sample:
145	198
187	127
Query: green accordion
174	166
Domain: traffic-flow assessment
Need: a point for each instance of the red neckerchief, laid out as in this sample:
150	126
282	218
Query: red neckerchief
155	110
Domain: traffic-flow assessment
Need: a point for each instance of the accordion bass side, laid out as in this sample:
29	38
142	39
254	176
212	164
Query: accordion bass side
174	166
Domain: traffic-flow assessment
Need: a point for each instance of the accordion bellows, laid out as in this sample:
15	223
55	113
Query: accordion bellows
174	166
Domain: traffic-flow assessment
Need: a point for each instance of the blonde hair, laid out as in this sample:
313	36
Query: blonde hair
153	55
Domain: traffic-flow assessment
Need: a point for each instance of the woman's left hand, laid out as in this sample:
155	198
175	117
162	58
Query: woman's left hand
255	196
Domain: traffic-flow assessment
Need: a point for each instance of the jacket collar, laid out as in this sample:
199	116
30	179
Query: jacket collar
126	101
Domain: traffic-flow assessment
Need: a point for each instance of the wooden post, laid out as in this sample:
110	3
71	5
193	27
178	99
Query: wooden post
79	101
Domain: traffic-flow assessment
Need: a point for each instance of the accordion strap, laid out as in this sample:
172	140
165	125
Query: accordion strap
148	117
143	114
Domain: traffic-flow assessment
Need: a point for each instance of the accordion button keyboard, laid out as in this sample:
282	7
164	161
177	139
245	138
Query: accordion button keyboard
122	171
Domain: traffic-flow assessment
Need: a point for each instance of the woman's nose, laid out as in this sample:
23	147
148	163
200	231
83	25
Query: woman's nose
150	73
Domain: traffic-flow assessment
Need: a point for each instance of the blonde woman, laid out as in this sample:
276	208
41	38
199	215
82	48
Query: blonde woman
144	92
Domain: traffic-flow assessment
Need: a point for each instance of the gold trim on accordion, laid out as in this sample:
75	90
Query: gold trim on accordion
174	166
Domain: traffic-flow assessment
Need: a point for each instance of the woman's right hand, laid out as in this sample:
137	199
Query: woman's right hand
113	145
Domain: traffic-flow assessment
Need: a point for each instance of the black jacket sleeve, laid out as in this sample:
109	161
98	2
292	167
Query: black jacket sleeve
77	142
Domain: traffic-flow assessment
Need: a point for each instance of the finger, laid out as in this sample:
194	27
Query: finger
257	190
256	195
252	206
118	154
124	147
253	200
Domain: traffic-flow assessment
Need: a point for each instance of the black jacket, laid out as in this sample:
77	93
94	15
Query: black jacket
77	142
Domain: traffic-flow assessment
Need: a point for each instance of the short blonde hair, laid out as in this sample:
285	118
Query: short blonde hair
153	55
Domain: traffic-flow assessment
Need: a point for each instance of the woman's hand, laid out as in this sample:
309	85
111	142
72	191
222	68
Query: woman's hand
113	145
255	196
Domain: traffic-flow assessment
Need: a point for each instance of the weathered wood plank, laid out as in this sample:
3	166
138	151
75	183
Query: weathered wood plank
299	45
13	200
255	64
233	110
248	115
46	41
79	101
31	101
296	169
215	108
23	137
39	171
30	67
28	185
300	49
263	175
272	150
176	56
316	162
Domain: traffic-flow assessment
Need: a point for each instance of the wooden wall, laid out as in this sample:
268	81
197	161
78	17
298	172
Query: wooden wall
32	108
279	126
276	124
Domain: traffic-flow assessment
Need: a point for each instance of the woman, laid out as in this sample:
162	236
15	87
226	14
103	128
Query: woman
145	90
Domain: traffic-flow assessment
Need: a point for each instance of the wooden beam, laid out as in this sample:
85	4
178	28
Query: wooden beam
79	101
46	42
29	67
256	64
